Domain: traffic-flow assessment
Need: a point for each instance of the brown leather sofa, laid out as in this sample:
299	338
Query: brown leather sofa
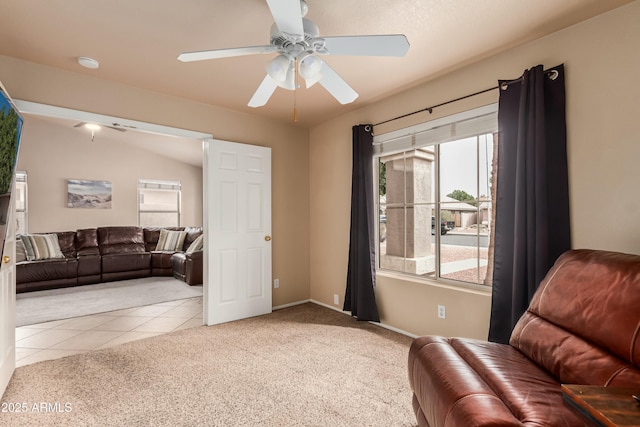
187	267
104	254
582	327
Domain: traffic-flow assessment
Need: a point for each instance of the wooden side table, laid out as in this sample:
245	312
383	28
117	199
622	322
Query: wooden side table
604	406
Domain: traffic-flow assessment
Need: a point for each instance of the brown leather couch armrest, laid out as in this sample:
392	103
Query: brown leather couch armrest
193	270
194	256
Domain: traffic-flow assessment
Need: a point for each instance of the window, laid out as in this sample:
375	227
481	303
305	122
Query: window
21	202
158	203
435	197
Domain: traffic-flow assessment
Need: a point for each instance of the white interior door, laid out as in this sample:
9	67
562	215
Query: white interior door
8	305
237	224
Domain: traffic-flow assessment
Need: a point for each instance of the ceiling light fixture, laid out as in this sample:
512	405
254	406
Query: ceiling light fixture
93	128
87	62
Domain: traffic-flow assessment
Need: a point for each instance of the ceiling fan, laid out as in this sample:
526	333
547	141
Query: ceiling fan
298	44
93	127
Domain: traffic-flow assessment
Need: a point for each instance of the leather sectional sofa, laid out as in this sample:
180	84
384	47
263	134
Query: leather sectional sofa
104	254
582	327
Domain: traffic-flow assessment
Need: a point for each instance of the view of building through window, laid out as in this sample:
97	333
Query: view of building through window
435	208
158	203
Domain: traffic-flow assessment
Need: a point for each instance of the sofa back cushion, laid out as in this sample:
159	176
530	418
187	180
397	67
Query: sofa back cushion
583	323
67	242
87	242
113	240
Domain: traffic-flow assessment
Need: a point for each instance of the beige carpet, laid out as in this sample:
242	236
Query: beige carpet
301	366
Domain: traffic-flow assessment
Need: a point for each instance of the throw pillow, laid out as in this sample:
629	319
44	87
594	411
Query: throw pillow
196	245
21	252
41	246
170	240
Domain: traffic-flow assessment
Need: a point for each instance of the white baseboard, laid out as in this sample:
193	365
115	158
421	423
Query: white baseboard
332	307
391	328
394	329
291	304
348	313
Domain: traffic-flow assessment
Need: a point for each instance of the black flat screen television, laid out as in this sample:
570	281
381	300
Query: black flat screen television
10	129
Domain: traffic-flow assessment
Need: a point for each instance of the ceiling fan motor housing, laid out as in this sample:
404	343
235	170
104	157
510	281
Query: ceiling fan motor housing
295	44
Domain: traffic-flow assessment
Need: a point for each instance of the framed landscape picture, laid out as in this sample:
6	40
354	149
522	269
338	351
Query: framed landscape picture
88	194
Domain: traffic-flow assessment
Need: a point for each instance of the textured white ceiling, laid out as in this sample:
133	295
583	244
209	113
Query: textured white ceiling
137	42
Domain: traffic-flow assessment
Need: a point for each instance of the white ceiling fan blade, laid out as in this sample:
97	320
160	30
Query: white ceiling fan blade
288	16
263	93
383	45
336	86
224	53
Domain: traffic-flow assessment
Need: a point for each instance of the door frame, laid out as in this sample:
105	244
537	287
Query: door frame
38	109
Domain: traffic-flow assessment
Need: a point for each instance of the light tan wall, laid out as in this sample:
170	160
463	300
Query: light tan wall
289	144
52	153
602	65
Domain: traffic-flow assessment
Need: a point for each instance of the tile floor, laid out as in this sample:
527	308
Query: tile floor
52	340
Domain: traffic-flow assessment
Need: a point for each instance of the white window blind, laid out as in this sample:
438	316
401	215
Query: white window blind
458	126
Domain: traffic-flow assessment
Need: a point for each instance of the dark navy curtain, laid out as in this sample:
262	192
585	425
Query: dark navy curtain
532	201
360	297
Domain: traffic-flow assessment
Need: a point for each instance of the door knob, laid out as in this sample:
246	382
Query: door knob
6	259
267	238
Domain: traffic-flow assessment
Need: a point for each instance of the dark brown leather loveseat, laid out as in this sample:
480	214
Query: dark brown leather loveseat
582	327
103	254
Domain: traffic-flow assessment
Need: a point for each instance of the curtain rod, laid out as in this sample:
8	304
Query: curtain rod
430	109
553	74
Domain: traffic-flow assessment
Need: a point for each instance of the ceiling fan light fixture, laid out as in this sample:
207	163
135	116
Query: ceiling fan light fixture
279	67
304	8
92	126
282	70
310	68
289	82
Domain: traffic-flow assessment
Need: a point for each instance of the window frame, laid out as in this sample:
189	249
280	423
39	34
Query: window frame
404	140
26	200
154	184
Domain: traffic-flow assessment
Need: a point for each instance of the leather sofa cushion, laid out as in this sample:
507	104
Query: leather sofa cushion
87	241
45	270
89	265
66	240
582	323
126	262
120	240
161	259
464	382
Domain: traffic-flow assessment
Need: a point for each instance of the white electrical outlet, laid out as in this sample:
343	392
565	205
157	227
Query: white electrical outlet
442	312
276	283
336	299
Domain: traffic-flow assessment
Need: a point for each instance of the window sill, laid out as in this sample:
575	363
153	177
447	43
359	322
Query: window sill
442	283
